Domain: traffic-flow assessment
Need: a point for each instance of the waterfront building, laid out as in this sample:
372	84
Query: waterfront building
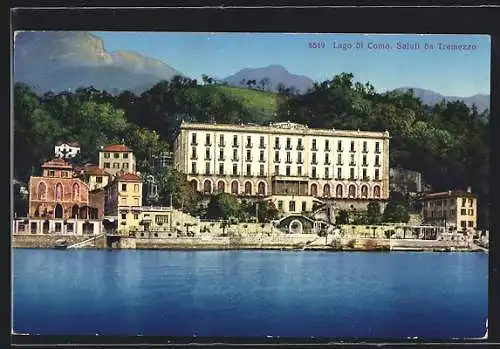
96	178
66	150
406	181
290	164
117	158
61	203
123	201
454	209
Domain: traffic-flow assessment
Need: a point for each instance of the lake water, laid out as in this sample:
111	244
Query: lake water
250	293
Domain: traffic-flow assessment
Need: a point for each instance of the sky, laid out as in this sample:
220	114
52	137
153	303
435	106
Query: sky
431	65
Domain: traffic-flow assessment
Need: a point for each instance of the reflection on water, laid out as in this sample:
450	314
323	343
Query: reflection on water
250	293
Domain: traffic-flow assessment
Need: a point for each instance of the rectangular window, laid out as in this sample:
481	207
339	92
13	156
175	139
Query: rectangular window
339	173
249	141
125	155
364	174
124	187
136	188
116	155
136	216
376	174
221	169
377	147
299	170
106	155
351	173
125	165
339	159
277	143
262	173
280	205
98	179
377	160
471	212
287	171
291	206
221	154
314	144
339	145
463	224
276	156
52	173
193	139
65	174
299	157
288	143
207	139
463	211
313	172
327	159
261	142
221	140
235	154
207	168
463	202
365	146
249	172
124	216
261	156
116	165
364	160
471	224
33	227
352	163
303	206
235	170
327	145
69	227
207	154
161	219
352	146
193	167
106	165
276	170
58	227
470	202
327	172
235	141
299	144
249	157
288	157
313	158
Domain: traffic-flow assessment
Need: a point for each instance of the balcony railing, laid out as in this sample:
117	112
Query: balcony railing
365	151
300	147
236	145
208	144
222	144
352	163
377	164
262	160
222	158
314	162
340	149
277	146
377	151
364	164
327	162
327	148
377	179
195	143
340	163
277	160
194	157
288	161
365	178
300	161
208	157
249	145
288	147
262	146
352	150
314	148
235	158
249	159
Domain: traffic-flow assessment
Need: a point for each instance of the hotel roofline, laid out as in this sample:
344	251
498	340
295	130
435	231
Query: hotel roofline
283	128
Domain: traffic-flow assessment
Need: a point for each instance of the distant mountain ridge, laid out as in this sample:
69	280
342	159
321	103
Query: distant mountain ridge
275	73
61	60
482	101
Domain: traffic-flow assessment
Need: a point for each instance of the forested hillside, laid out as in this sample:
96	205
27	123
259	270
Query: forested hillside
448	143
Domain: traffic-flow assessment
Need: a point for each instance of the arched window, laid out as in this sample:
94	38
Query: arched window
338	191
76	192
262	188
326	190
352	191
74	211
42	191
248	188
207	187
84	212
234	188
314	189
221	187
376	191
364	191
59	192
58	212
194	184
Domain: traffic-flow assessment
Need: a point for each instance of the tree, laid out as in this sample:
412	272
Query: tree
223	205
396	210
373	212
266	210
343	217
173	184
264	82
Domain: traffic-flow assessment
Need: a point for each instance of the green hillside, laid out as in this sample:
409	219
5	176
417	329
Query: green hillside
262	104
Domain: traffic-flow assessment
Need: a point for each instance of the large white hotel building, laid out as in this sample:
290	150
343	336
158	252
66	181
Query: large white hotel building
290	164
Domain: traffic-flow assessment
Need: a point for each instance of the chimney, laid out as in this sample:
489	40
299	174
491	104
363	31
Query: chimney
469	190
449	192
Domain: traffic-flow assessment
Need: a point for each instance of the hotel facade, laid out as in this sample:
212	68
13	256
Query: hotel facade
290	164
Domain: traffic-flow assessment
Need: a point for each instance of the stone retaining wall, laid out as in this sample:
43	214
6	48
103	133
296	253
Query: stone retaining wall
48	241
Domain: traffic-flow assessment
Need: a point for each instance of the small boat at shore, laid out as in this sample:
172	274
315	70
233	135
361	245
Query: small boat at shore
61	244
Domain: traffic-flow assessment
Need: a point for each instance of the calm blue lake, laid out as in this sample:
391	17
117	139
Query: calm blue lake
250	293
